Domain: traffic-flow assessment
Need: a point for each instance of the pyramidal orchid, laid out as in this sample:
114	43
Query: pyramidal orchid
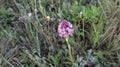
65	29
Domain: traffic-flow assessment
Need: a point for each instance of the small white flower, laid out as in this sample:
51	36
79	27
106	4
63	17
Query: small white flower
76	3
48	18
35	10
29	14
81	13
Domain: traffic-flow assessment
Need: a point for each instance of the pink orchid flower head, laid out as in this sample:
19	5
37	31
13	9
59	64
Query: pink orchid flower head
65	29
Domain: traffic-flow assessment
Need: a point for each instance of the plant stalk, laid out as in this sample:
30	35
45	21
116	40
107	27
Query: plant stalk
69	51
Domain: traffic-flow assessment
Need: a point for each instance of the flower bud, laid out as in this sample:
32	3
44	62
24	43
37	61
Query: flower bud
81	14
48	18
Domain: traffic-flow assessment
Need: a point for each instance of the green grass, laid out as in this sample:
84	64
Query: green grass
33	41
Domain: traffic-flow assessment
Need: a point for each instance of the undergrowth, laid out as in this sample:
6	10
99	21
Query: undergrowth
29	36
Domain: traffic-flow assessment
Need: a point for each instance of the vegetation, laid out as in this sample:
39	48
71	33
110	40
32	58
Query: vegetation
29	35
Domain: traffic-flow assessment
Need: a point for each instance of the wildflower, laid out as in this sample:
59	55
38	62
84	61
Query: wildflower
29	14
81	13
48	18
35	10
65	29
76	3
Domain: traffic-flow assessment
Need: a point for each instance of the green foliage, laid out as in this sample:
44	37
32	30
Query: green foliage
93	60
29	39
91	14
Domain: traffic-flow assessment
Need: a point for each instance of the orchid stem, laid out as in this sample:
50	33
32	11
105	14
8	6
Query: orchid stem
69	49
